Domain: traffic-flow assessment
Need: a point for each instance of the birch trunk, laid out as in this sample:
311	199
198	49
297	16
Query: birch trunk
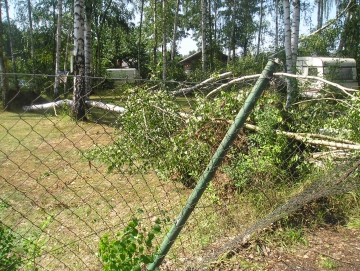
31	35
173	47
233	30
88	47
295	32
58	51
320	12
260	28
155	40
342	36
276	25
79	94
164	40
4	84
203	34
139	40
13	59
211	51
287	45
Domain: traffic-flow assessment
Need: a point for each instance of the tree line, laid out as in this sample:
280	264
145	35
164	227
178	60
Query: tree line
46	36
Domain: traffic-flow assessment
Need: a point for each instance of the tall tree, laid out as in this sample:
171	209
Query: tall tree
32	50
260	27
13	60
173	47
79	94
140	35
276	24
291	44
4	84
58	51
155	38
164	39
88	45
203	35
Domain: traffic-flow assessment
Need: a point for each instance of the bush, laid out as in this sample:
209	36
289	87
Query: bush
9	260
130	249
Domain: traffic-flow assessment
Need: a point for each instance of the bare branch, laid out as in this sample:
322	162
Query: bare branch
234	81
306	139
207	81
344	89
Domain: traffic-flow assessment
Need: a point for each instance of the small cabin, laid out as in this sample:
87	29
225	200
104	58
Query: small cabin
338	70
191	62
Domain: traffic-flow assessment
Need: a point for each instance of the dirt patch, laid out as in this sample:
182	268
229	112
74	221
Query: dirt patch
335	248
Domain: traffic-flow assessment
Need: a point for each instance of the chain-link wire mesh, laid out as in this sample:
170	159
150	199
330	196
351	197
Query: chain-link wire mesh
65	184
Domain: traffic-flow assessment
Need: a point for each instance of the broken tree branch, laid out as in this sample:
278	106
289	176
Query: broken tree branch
344	89
184	91
234	81
305	138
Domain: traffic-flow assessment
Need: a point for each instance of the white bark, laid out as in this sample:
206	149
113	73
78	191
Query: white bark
287	45
234	81
307	139
58	50
276	25
164	40
173	47
203	83
79	93
96	104
31	33
203	33
295	32
13	58
345	90
88	47
260	27
139	41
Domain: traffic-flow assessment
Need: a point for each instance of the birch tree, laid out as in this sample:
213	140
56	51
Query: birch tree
155	39
291	45
88	46
79	93
276	24
32	50
173	47
203	34
140	33
58	51
164	39
11	44
4	80
260	27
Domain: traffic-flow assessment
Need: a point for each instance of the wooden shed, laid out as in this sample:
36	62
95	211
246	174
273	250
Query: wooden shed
194	60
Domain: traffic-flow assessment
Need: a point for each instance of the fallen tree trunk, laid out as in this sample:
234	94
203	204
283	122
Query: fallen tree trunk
96	104
184	91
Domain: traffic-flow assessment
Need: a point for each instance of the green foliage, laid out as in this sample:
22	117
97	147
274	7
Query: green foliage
151	119
9	259
130	249
271	158
34	245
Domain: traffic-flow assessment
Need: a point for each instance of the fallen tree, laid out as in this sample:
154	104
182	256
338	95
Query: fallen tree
345	90
95	104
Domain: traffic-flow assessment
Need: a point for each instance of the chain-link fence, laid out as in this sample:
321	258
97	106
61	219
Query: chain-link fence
101	192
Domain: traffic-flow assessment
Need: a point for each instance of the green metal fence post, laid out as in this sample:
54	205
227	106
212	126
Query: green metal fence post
214	164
